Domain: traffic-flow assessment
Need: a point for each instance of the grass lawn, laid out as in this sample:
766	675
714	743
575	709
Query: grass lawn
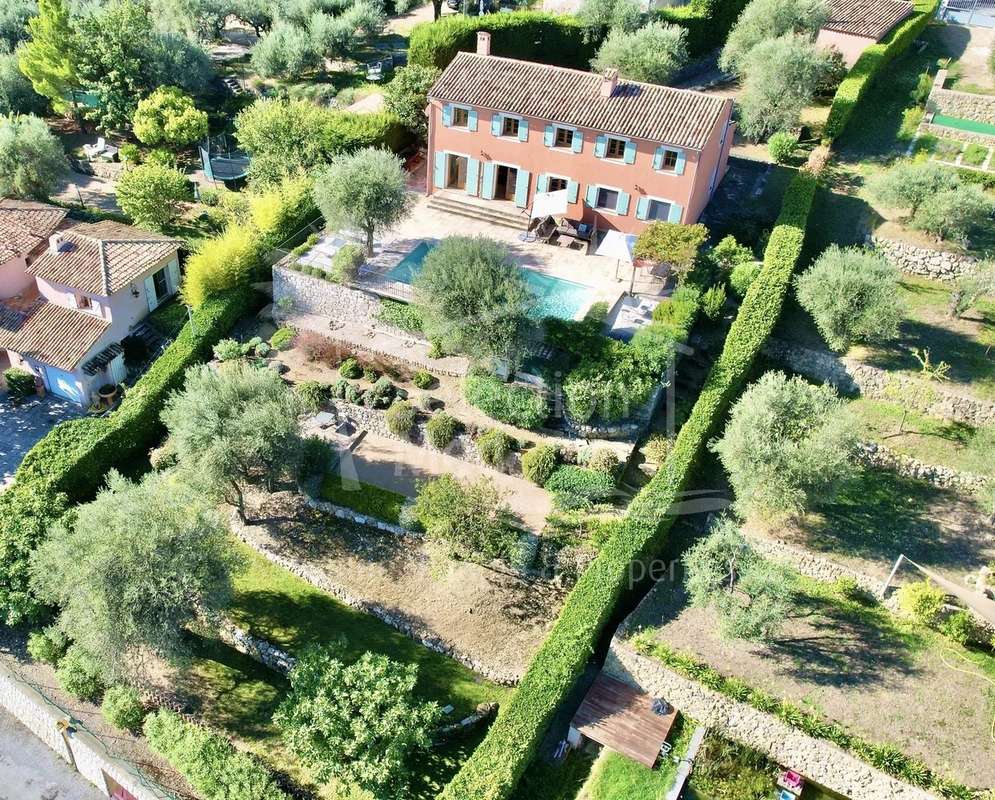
545	781
616	777
169	318
238	695
975	155
363	498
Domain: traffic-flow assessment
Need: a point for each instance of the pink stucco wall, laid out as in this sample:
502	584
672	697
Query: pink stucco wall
691	189
849	45
13	279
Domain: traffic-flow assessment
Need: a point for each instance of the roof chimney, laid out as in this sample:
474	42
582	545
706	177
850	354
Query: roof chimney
608	82
483	43
55	243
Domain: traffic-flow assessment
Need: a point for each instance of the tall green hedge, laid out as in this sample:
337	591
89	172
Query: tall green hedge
68	465
528	35
495	767
870	63
707	22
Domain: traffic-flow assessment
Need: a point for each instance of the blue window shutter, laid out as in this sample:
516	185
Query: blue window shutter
542	182
572	188
447	115
591	196
487	186
679	166
523	131
522	188
173	276
472	173
675	213
642	207
471	120
548	134
600	145
622	206
658	158
496	123
578	141
630	152
150	298
440	170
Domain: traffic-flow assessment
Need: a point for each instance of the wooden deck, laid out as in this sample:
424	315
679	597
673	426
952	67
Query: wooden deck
619	716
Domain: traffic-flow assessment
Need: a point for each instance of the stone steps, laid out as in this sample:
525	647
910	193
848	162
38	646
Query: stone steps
477	210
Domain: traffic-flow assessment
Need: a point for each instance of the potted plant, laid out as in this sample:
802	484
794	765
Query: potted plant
107	392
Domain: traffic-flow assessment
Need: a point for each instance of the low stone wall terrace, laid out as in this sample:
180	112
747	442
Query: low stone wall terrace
923	261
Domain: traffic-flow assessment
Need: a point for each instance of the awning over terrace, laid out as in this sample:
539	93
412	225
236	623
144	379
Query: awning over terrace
623	718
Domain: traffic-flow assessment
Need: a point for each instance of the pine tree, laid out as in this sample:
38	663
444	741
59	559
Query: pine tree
47	58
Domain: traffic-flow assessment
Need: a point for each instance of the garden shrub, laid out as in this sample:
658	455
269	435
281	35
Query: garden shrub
346	263
369	374
962	627
312	394
405	316
381	394
707	22
122	708
678	311
317	455
441	429
601	459
47	646
658	447
714	301
353	394
582	484
350	369
539	463
282	338
742	277
528	35
423	379
339	388
227	350
20	382
228	261
212	765
401	418
79	674
495	446
317	347
922	601
515	405
781	146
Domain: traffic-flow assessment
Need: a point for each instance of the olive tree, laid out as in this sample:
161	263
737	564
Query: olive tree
600	16
971	287
17	95
366	190
751	596
909	184
651	54
31	158
787	444
131	570
359	723
852	294
955	213
763	20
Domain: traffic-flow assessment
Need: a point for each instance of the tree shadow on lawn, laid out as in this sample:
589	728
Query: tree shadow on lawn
879	514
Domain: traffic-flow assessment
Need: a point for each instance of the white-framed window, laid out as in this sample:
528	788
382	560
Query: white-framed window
563	138
606	199
658	210
669	161
510	127
461	117
615	149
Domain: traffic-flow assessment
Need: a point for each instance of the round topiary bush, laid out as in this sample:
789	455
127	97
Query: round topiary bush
781	146
47	646
79	675
350	369
742	277
601	459
539	463
283	338
312	394
353	394
370	374
441	429
658	447
381	394
122	708
339	389
495	446
227	350
922	601
423	379
401	418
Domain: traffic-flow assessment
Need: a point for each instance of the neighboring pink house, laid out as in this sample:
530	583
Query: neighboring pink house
854	25
70	293
627	153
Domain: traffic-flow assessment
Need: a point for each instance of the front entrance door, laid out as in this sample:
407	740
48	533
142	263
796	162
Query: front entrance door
505	181
456	172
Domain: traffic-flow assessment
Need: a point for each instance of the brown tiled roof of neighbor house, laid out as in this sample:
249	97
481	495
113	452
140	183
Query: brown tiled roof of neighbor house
24	225
50	333
642	110
102	257
869	18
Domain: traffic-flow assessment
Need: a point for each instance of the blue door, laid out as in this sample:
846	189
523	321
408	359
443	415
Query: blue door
62	383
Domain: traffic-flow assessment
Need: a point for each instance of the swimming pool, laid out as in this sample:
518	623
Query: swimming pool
557	297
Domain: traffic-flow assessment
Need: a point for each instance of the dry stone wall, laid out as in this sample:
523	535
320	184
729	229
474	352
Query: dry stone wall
819	760
324	298
914	260
965	105
877	455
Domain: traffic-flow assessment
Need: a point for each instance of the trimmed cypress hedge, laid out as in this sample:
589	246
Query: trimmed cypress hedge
68	465
493	770
528	35
871	61
707	22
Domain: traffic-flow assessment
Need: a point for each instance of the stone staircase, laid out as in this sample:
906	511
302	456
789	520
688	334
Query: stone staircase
493	212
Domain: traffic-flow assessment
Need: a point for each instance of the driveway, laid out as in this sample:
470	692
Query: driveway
29	770
23	425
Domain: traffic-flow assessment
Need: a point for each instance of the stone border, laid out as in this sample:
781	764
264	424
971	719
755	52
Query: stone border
878	455
348	514
915	260
267	654
812	566
819	760
391	617
79	748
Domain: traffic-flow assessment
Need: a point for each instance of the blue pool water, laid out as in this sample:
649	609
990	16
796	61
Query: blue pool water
557	297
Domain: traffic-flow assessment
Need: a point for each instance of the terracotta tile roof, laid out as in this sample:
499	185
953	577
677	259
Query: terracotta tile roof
24	225
871	18
103	257
642	110
50	333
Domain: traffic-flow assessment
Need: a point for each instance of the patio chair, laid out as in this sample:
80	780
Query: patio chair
92	150
374	71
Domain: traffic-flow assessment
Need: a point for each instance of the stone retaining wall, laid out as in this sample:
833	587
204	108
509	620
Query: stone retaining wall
392	617
341	512
954	133
260	650
324	298
878	455
965	105
45	720
817	759
813	566
852	377
914	260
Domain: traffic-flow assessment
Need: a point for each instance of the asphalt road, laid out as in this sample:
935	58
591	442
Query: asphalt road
31	771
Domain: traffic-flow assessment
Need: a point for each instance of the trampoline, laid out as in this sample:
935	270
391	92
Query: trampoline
222	160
